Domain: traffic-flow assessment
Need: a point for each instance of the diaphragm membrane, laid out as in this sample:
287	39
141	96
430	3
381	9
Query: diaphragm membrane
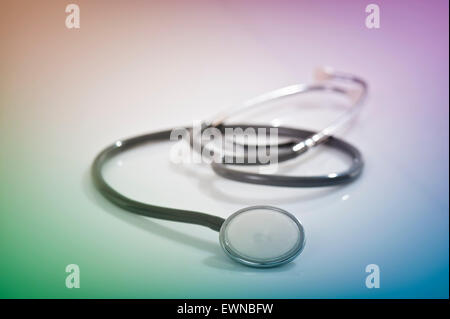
262	236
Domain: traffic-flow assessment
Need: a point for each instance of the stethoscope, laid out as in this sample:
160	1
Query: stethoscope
258	236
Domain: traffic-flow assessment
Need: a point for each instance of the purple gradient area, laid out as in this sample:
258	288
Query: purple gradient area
405	62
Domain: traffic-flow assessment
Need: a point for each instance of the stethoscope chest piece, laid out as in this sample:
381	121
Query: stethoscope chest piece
262	236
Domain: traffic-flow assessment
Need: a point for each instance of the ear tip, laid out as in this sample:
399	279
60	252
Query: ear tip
323	73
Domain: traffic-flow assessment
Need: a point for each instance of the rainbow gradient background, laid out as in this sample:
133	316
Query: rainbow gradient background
138	66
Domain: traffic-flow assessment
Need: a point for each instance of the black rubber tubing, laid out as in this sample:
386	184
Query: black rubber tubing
347	176
211	221
172	214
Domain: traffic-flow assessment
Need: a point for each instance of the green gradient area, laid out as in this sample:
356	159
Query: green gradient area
41	235
50	220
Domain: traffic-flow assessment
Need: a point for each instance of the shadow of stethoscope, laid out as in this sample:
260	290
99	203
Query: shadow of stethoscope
217	258
208	184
